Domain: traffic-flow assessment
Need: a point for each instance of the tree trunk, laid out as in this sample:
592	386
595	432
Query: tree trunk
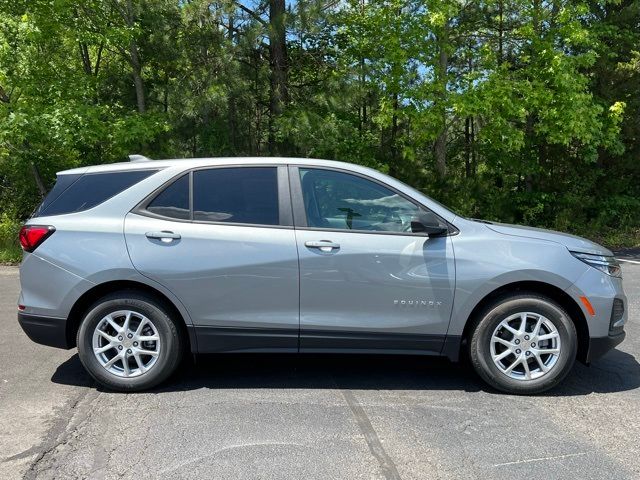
3	96
165	93
440	146
137	77
134	60
86	60
255	144
530	134
474	160
393	167
231	101
535	16
500	31
362	111
98	58
38	178
467	147
440	149
278	63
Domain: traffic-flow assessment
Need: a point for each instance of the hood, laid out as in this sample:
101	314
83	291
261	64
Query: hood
572	242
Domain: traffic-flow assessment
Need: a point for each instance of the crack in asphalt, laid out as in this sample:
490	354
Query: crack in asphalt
541	459
67	420
386	463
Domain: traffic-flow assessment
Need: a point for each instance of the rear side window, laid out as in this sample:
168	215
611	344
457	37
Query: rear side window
236	195
62	183
173	201
87	191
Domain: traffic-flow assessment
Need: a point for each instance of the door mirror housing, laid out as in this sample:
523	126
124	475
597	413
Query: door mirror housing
427	222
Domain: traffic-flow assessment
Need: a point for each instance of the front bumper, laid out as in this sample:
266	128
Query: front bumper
598	346
602	292
606	321
48	331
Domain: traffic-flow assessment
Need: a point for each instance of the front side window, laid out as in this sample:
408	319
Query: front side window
348	202
236	195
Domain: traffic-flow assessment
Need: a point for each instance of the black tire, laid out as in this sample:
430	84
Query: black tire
170	340
493	315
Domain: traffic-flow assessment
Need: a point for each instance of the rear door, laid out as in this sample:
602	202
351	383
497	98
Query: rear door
367	282
221	239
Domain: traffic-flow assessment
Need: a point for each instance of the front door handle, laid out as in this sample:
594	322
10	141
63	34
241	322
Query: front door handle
323	245
164	236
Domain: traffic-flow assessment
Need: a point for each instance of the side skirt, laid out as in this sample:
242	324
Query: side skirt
265	340
244	340
320	341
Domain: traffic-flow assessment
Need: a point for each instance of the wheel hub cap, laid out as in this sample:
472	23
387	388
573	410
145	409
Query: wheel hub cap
126	343
525	346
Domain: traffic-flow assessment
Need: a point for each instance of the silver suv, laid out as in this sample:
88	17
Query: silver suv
138	263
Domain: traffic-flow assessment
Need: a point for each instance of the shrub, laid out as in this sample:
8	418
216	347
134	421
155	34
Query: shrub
10	251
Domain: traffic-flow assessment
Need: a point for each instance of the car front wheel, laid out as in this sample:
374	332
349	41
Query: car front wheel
128	342
524	343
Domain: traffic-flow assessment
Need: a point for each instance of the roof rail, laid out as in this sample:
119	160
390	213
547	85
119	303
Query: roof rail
138	158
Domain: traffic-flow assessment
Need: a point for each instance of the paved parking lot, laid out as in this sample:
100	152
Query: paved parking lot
292	417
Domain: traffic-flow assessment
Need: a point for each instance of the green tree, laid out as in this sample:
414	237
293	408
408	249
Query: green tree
522	111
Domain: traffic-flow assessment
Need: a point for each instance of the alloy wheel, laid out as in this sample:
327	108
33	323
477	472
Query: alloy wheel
126	343
525	346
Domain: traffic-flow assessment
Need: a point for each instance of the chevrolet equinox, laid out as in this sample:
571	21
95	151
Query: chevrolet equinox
137	263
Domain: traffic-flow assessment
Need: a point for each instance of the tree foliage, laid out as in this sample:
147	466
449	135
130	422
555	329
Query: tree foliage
522	111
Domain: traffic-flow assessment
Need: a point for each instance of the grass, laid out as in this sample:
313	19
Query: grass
10	255
10	251
629	238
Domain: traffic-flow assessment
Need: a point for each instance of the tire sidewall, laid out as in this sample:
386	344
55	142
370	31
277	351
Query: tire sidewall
481	344
169	341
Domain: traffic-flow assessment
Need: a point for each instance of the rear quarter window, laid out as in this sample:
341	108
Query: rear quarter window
75	193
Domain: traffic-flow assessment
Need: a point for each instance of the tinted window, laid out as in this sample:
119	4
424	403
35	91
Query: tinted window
62	183
173	201
236	195
90	190
339	200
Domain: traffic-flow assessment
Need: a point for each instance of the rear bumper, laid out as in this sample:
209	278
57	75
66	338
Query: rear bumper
598	346
48	331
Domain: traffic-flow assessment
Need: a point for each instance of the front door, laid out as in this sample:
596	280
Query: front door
222	240
367	282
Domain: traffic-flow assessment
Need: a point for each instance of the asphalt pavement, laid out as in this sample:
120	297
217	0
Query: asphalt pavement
320	417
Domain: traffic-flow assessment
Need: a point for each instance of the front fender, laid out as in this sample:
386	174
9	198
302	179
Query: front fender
487	261
466	301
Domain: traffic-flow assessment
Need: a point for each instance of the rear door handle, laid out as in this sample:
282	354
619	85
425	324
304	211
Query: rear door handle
164	236
323	245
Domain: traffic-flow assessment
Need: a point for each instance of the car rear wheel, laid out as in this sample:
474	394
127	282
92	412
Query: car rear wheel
523	344
128	342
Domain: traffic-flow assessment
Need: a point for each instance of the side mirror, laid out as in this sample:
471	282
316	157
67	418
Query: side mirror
427	222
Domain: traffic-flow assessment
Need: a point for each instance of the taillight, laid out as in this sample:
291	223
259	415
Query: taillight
33	235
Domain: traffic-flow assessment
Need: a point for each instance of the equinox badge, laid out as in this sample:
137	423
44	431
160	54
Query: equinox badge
417	303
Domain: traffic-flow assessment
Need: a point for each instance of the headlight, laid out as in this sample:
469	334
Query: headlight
608	265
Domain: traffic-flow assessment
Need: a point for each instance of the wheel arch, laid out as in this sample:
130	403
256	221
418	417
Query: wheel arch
89	297
554	293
